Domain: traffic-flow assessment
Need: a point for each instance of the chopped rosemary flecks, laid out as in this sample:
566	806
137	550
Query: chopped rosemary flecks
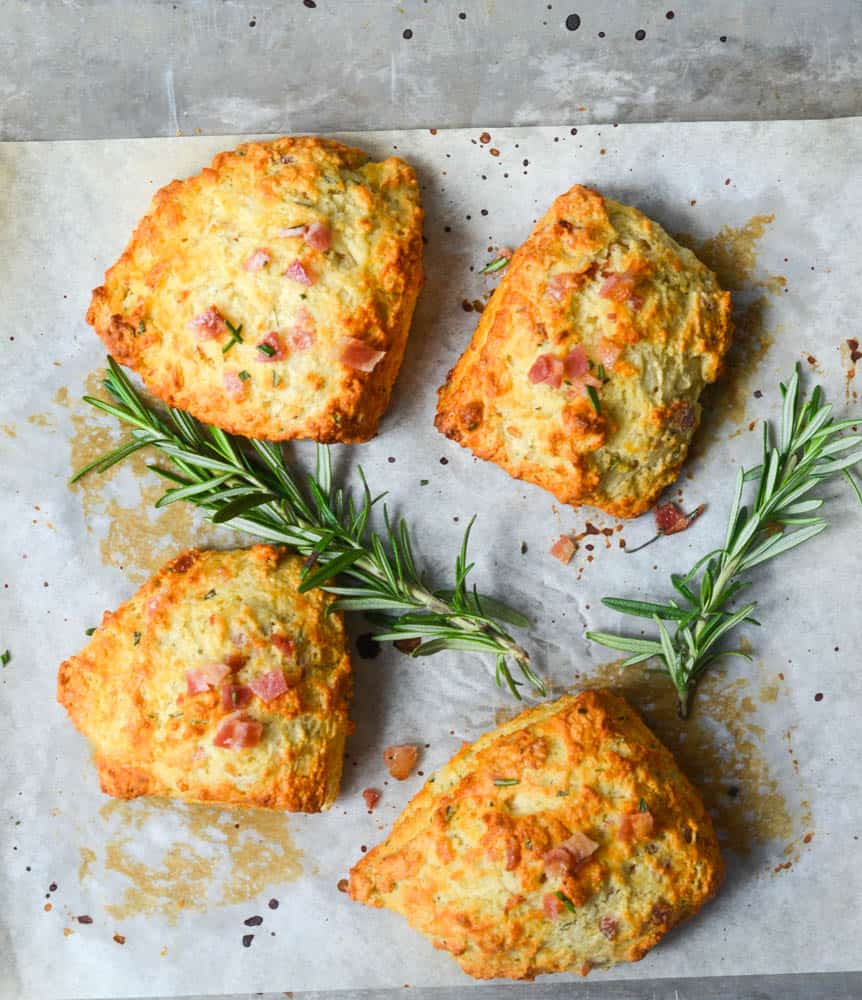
594	398
250	484
601	373
5	657
424	482
266	349
276	379
808	448
642	806
209	595
495	265
136	638
244	375
142	328
505	782
235	336
564	899
89	631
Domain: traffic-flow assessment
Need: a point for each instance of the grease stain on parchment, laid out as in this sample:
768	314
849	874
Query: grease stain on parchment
174	858
138	539
719	747
732	254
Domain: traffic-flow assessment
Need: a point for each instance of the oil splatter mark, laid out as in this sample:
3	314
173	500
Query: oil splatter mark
174	857
9	430
719	747
88	859
732	254
135	536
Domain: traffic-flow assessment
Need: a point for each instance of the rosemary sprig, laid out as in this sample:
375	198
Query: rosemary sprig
809	448
248	484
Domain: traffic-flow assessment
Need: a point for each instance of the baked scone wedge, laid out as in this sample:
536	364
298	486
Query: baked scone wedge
584	373
272	293
566	839
217	682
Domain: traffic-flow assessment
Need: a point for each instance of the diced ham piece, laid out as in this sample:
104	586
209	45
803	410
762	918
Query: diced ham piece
568	857
636	826
289	231
273	341
269	685
562	285
401	759
318	236
284	645
548	370
575	363
372	797
620	287
563	549
296	272
238	732
205	677
552	906
235	696
669	519
608	352
578	386
360	356
258	260
208	324
608	926
303	331
233	384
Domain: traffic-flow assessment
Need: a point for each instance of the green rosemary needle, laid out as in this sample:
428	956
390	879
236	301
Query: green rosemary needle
248	484
809	448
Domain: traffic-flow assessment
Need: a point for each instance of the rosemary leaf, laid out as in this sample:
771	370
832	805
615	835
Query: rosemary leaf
808	448
249	485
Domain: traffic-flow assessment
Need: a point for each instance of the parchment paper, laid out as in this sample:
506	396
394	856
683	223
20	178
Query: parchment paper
168	888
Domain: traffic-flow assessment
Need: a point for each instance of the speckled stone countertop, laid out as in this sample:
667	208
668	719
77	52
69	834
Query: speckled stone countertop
121	68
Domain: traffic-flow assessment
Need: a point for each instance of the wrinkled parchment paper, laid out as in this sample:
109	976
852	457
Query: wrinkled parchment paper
169	890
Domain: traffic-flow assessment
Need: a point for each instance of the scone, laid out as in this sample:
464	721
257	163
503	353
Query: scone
271	294
217	682
584	373
567	839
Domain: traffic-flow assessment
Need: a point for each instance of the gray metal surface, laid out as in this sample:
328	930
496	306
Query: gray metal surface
111	68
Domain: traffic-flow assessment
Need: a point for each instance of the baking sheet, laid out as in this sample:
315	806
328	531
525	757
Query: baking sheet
774	745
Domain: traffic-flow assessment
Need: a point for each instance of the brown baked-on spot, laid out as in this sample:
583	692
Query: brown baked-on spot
184	562
683	416
471	415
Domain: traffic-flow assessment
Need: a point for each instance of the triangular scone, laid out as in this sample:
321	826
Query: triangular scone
584	373
217	682
566	839
272	294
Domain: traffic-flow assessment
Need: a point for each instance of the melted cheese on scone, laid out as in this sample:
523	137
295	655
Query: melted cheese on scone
217	682
584	373
564	840
272	294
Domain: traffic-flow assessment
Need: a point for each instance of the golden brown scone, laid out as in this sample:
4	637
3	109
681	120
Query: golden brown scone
584	373
217	682
566	839
310	248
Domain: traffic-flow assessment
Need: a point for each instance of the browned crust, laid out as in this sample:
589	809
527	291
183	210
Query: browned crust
354	410
486	405
464	861
125	691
